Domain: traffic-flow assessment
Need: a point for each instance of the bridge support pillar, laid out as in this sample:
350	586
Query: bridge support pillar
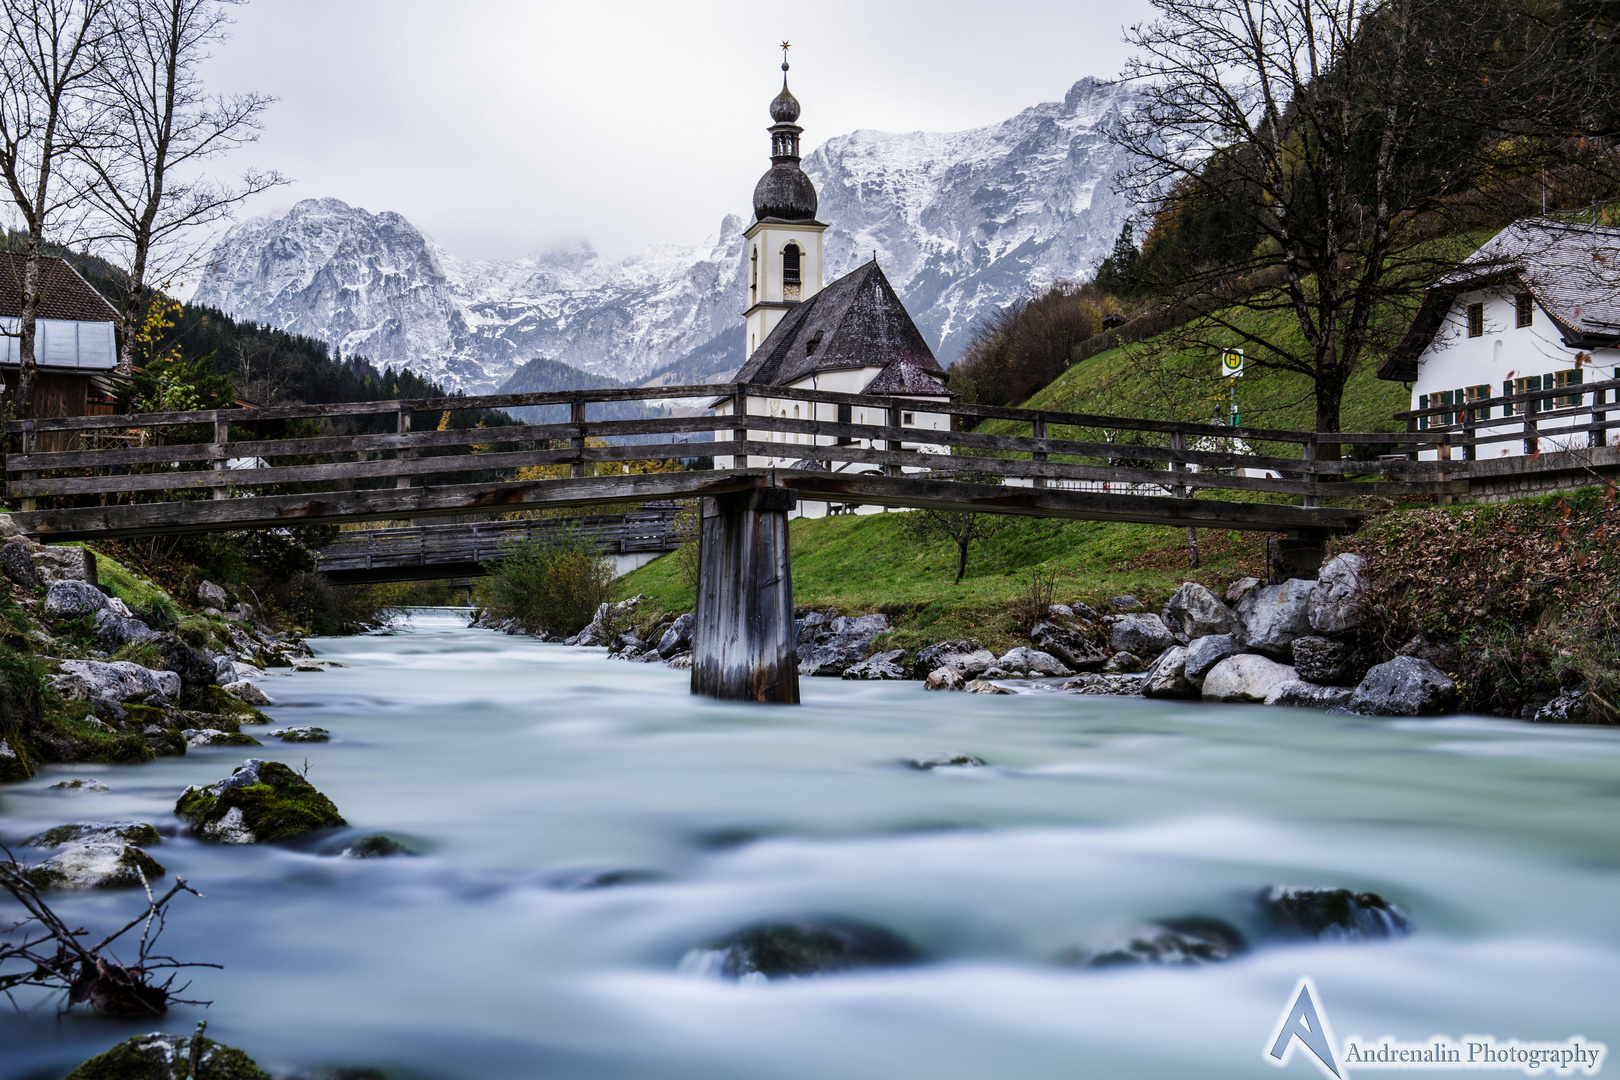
743	642
1298	553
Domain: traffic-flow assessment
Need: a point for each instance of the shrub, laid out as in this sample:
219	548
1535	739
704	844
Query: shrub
553	585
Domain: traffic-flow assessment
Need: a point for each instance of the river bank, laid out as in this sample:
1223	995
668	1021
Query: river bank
578	845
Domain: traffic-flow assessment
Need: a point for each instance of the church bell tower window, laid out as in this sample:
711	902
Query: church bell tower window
791	282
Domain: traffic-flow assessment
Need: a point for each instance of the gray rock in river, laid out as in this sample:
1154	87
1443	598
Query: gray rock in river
1075	649
1273	616
678	638
1195	612
138	833
1568	707
1167	678
1329	662
944	678
798	948
1405	686
1331	914
102	864
1300	694
1033	661
1175	942
883	665
965	657
1143	634
1335	605
948	759
1245	677
1205	652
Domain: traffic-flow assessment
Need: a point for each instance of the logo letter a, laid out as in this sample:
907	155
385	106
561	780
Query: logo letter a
1300	1021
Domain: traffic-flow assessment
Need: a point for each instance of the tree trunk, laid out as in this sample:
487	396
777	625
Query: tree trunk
961	560
27	329
1329	397
1192	546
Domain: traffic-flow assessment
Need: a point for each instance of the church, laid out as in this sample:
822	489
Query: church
853	336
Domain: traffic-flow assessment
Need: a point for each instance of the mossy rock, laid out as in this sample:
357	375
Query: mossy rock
15	764
147	714
96	866
262	802
64	737
167	743
214	699
168	1057
138	833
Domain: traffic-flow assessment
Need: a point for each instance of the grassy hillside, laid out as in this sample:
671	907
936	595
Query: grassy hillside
865	563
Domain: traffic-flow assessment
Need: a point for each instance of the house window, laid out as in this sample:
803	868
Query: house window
1526	308
908	418
790	272
1530	386
1476	320
1561	379
1479	393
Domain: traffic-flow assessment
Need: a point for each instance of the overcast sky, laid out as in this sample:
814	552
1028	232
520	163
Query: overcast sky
501	127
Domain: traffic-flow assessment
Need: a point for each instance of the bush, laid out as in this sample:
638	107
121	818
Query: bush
554	585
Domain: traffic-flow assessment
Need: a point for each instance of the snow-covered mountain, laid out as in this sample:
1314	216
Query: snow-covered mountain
960	221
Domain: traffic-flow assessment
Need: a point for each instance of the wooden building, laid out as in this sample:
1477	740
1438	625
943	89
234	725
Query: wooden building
75	349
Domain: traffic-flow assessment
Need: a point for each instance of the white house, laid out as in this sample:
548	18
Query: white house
853	337
1537	307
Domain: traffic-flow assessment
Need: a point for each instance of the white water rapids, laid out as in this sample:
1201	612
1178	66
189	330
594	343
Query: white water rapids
520	771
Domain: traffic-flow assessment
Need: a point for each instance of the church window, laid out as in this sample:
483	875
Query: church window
1526	308
753	277
1476	320
791	282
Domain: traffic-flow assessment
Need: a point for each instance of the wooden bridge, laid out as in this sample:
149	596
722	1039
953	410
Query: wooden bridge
461	550
215	470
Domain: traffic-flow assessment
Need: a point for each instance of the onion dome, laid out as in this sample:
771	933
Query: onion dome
785	193
784	106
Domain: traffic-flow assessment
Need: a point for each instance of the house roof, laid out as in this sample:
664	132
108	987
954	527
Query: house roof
1572	270
856	322
902	376
63	294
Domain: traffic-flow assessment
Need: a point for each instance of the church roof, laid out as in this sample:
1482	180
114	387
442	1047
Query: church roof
856	322
63	293
1572	270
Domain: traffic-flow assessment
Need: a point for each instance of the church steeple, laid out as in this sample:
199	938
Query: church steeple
784	257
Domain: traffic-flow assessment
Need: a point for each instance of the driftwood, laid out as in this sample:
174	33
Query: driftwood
42	952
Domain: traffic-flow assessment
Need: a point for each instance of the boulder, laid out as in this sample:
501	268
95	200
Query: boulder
1033	661
1195	612
1238	588
799	948
1329	662
1331	914
138	833
102	864
626	645
261	802
681	661
965	657
1272	617
1127	603
1245	677
168	1057
80	783
947	760
1167	678
118	680
1126	663
114	630
1177	942
985	686
14	764
1335	605
1145	634
246	692
1205	652
1443	655
302	734
68	599
1104	685
216	737
1300	694
678	638
944	678
17	561
1069	645
211	595
884	665
68	562
1568	707
193	666
831	645
1406	686
1083	611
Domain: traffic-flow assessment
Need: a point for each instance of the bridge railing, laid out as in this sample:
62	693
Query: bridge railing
161	455
1578	415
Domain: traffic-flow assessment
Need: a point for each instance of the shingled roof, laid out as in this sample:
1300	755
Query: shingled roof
856	322
1572	270
63	293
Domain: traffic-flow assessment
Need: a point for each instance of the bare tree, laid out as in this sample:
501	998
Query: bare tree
1330	144
161	125
49	50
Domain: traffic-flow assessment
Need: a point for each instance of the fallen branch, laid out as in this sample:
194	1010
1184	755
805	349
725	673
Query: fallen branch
43	952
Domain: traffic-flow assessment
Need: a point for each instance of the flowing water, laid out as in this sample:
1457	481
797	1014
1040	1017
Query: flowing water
524	771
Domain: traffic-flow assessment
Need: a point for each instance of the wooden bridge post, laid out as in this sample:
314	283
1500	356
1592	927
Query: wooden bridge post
222	435
576	416
897	419
743	646
739	408
1037	430
1178	443
1597	436
30	443
1307	451
403	427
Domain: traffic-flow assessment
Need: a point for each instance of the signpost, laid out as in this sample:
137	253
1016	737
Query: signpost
1232	368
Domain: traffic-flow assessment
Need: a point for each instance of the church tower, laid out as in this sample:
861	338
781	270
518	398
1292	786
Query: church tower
784	242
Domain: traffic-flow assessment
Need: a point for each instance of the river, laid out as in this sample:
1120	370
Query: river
522	771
